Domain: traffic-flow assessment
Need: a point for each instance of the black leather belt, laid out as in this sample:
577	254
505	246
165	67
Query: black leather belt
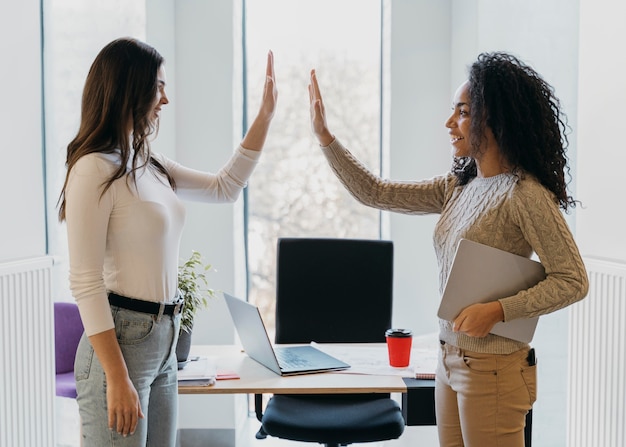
148	307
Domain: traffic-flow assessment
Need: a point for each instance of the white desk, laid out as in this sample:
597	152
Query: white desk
257	379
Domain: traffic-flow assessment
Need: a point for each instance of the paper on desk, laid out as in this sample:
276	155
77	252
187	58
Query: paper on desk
424	355
374	360
197	373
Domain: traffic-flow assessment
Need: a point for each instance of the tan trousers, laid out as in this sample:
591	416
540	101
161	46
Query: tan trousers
481	400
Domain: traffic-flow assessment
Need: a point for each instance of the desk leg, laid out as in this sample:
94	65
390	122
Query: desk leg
418	403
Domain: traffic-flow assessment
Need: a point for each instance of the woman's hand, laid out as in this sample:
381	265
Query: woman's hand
477	320
123	405
318	114
270	93
257	133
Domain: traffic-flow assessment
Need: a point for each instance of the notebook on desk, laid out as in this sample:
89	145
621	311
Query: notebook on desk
481	274
283	360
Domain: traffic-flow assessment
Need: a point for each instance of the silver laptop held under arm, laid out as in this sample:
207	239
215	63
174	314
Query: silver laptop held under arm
481	274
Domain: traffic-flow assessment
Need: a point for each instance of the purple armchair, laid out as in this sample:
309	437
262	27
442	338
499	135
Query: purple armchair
68	329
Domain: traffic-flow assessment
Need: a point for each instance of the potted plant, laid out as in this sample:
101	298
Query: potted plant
193	287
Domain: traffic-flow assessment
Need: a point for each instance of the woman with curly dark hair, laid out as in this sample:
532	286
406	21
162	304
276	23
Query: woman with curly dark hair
506	189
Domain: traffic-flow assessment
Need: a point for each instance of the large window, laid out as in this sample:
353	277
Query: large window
293	192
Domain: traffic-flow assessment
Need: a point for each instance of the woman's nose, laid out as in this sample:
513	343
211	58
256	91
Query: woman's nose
449	122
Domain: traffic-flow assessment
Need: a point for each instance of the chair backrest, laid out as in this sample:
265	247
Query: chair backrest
333	290
68	329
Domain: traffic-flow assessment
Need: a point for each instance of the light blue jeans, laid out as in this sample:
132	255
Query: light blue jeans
149	349
482	399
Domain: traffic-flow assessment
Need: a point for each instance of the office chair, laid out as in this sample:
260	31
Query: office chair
332	290
68	329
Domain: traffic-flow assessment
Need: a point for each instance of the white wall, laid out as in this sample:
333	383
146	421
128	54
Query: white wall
22	225
203	104
22	218
419	148
600	220
602	158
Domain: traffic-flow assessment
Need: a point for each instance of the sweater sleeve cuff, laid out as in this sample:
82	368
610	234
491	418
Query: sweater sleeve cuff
249	153
512	308
334	145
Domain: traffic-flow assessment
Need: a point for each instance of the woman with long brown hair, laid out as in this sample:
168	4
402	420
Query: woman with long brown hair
122	204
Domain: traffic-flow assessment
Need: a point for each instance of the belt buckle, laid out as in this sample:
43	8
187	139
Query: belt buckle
178	307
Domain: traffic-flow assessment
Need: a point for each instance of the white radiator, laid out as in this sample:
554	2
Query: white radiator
597	353
27	350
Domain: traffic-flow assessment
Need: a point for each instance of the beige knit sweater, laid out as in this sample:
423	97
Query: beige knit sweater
510	212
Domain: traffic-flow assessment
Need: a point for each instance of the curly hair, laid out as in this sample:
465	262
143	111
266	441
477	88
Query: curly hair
526	119
119	91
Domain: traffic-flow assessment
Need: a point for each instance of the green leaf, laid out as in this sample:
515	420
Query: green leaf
194	288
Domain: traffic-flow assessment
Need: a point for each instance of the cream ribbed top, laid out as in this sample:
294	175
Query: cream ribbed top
127	241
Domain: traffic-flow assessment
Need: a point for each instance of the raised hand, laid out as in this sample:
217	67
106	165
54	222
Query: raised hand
270	93
318	113
257	133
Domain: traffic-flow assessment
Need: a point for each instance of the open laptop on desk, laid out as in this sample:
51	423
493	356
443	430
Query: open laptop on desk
282	360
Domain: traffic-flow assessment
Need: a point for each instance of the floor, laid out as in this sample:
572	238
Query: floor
68	429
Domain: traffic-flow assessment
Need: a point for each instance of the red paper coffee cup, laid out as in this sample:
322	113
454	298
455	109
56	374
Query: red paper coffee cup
399	346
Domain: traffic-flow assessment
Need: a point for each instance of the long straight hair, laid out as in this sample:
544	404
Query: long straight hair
119	93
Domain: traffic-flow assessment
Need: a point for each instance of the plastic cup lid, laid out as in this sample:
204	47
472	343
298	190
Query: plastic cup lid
398	333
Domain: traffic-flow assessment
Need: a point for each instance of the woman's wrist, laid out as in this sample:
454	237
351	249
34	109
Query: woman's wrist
325	138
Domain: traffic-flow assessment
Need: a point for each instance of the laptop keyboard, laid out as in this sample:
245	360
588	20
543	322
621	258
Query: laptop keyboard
287	358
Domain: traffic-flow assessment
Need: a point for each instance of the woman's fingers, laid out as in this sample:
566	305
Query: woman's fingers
315	97
269	65
124	409
270	94
315	86
318	113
